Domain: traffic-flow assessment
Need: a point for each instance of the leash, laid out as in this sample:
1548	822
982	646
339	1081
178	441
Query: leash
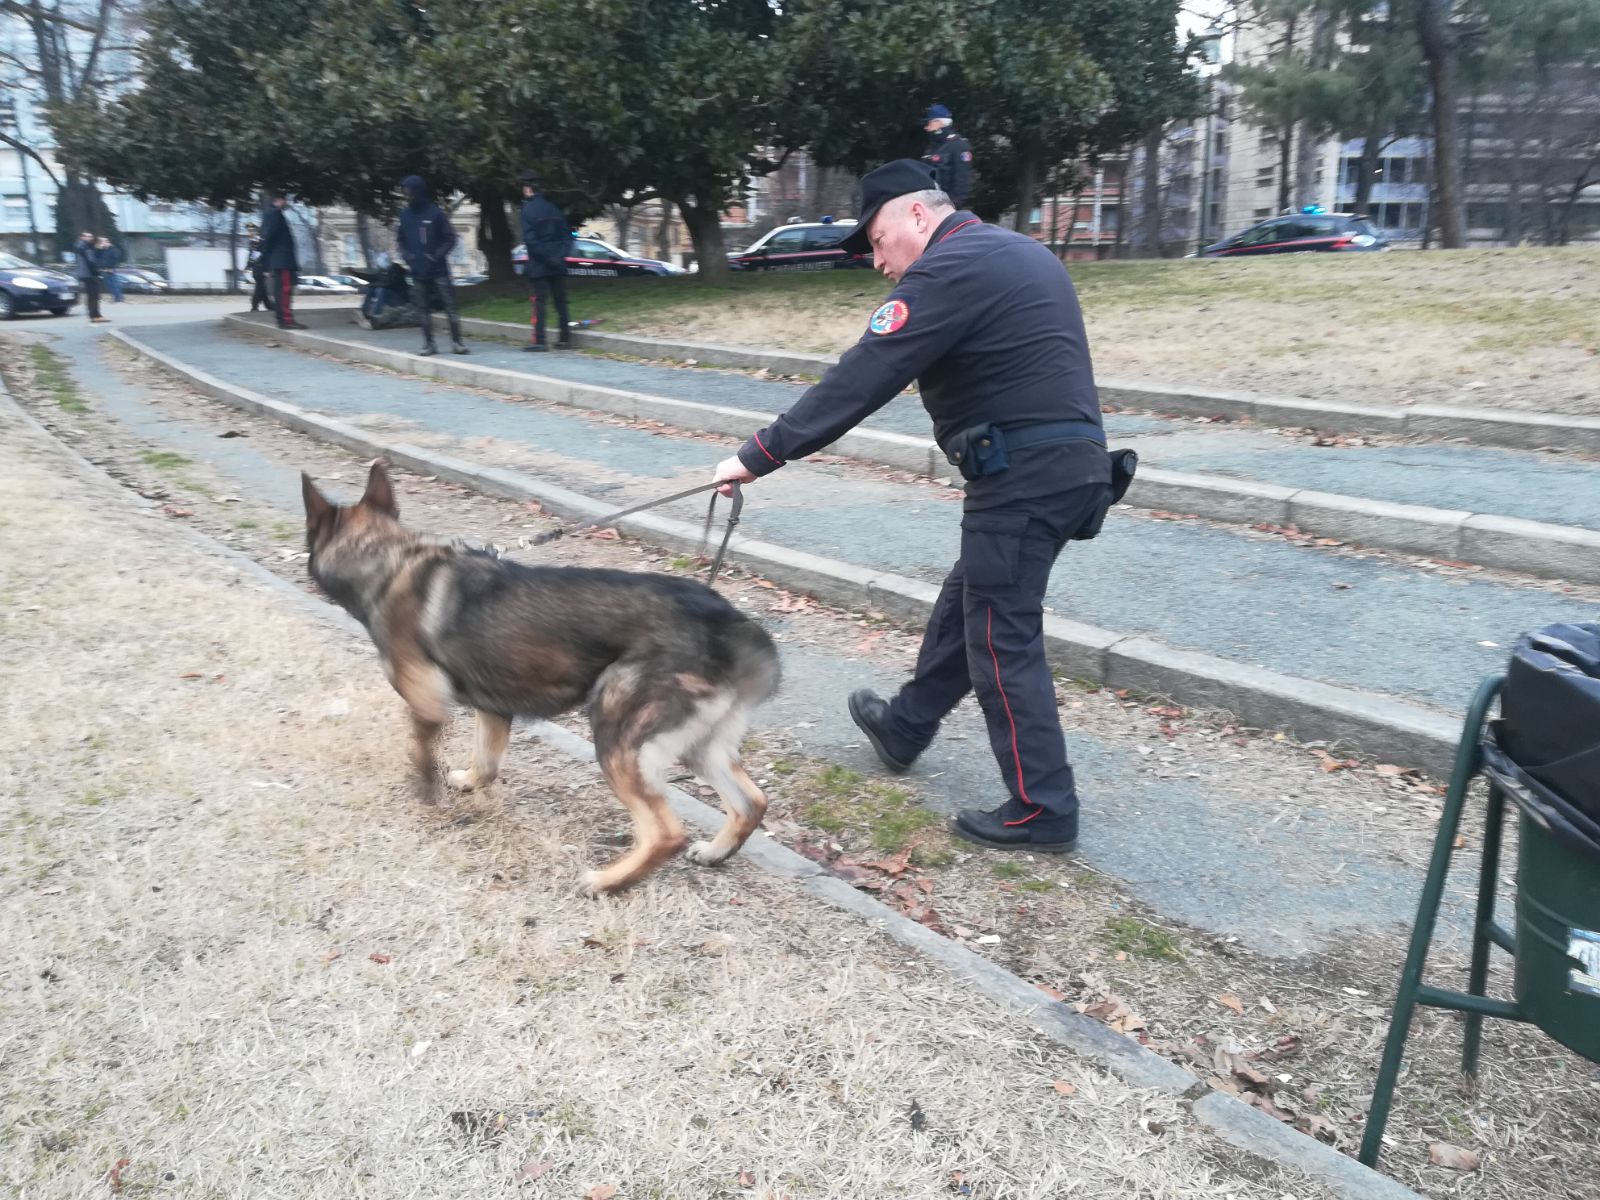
705	532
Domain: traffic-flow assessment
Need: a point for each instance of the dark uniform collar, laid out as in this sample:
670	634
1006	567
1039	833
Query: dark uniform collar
959	219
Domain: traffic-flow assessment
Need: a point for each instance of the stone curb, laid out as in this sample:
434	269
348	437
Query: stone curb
1235	1122
1483	426
1307	709
1539	548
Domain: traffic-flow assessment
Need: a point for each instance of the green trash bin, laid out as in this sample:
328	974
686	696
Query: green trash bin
1557	984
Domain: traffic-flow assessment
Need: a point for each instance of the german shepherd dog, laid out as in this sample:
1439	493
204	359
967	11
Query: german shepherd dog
670	670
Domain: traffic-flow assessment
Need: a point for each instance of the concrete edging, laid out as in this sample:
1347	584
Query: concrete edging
1307	709
1234	1121
1539	548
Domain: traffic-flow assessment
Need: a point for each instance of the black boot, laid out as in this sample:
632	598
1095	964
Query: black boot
1017	826
428	349
536	348
870	712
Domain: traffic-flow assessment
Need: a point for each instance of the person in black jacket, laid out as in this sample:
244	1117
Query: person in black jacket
949	154
260	294
987	322
425	239
279	257
86	266
546	237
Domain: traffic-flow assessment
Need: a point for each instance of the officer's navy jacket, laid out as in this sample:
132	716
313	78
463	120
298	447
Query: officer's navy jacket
277	241
950	156
987	323
546	237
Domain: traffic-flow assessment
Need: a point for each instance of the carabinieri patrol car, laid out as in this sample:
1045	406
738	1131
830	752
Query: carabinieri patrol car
801	247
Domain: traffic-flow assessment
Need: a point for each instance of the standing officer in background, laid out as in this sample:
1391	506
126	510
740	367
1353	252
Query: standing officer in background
949	154
279	257
987	323
260	296
425	239
546	237
86	268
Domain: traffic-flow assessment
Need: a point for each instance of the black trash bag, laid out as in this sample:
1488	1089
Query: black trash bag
1548	736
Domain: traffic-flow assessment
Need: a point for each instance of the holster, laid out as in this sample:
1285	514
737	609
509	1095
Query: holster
1124	465
978	451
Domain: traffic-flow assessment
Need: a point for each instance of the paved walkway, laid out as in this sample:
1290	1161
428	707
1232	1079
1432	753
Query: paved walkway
1188	840
1509	483
1372	623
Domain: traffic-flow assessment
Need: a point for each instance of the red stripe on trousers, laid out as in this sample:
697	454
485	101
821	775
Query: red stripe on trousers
1016	754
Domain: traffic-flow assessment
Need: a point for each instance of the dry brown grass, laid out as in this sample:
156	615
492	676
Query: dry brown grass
1504	328
234	954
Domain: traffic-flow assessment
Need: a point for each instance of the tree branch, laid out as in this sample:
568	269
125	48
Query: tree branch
54	16
31	153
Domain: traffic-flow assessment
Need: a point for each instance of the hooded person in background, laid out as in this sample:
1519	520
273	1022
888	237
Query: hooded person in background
426	239
546	237
279	256
86	267
949	154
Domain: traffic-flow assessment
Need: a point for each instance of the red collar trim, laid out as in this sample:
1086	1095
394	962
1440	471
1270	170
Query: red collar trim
960	227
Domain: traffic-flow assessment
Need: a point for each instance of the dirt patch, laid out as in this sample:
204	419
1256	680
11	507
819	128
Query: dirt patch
1319	1021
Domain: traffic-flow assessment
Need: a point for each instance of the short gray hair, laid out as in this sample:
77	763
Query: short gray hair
931	198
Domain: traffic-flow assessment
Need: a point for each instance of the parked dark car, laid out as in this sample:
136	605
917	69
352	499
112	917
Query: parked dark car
26	288
801	247
140	281
591	256
1299	232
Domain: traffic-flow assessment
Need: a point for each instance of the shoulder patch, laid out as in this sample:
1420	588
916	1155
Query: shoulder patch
966	156
933	158
891	315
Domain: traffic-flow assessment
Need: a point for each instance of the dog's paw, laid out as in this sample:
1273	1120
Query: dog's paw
426	789
705	854
460	780
589	885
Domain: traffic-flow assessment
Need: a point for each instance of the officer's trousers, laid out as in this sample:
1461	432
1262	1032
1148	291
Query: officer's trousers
260	296
438	292
986	635
283	281
555	287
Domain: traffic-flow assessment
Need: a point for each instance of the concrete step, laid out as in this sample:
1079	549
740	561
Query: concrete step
1376	653
1514	510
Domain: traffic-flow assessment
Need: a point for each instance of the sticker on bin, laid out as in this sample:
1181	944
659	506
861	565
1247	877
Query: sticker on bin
1583	945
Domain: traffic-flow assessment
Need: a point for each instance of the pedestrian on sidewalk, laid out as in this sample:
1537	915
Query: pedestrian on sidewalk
949	154
109	258
546	237
279	257
260	294
426	238
987	322
86	266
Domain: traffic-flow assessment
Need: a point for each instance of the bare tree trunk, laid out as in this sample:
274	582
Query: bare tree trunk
1367	167
1027	185
364	236
233	252
1439	48
1150	232
1285	157
705	232
495	240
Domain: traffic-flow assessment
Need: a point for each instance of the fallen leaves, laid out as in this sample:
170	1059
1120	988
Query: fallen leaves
1064	1088
1331	764
114	1176
532	1169
172	510
600	1191
1229	1000
1443	1154
379	958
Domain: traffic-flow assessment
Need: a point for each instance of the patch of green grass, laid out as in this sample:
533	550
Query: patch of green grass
286	531
1036	885
888	816
1008	870
1140	939
164	460
245	523
782	766
621	302
932	856
682	563
52	376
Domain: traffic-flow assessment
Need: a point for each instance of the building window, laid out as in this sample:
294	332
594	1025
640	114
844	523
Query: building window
1261	214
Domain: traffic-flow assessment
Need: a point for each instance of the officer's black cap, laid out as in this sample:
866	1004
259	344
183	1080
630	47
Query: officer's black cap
529	179
878	187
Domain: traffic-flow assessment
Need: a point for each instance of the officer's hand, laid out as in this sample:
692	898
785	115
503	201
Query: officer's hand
730	471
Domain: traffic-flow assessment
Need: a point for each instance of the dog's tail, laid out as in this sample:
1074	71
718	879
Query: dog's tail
755	673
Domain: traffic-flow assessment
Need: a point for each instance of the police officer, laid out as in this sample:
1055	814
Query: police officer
279	257
425	239
949	154
987	323
547	238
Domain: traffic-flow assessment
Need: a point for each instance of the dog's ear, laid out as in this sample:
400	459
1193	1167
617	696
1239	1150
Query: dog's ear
379	495
318	506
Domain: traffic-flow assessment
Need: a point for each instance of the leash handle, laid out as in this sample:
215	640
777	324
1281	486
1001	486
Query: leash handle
737	506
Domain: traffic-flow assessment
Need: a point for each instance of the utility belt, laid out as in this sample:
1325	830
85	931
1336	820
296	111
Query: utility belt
983	450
